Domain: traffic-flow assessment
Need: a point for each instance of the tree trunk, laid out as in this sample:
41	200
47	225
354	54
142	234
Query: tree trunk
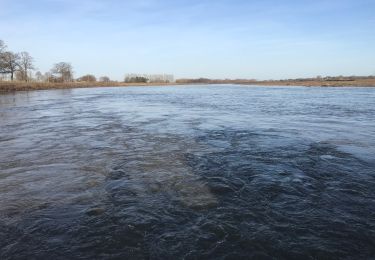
26	76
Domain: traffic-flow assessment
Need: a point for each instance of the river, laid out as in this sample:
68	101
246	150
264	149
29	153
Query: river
188	172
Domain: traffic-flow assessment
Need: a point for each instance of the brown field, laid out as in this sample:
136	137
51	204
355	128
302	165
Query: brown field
7	86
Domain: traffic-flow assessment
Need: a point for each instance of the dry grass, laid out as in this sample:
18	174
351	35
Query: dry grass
7	86
318	83
296	82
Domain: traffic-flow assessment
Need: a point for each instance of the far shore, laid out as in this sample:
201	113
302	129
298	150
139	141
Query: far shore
319	83
9	86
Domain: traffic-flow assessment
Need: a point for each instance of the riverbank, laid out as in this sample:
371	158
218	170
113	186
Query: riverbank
318	83
6	86
332	82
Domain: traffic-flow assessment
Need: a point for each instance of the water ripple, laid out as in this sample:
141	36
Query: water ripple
188	173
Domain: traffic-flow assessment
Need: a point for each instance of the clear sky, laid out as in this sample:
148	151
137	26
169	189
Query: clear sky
263	39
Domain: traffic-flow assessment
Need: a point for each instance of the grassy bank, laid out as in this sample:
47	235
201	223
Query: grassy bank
358	82
7	86
318	83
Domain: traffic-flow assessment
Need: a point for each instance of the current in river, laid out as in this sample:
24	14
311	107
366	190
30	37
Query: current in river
188	172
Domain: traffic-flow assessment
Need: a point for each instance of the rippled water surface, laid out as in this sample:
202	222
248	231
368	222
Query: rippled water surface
228	172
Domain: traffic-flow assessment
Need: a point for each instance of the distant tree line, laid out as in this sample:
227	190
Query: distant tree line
214	81
329	78
15	64
136	79
87	78
149	78
252	81
20	67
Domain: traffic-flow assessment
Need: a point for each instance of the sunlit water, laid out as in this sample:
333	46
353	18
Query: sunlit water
188	172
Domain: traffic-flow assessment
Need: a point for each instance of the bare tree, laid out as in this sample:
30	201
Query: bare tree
64	71
26	64
10	63
2	46
39	76
2	62
104	79
19	75
48	77
87	78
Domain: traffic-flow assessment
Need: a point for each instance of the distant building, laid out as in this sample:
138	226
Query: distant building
149	78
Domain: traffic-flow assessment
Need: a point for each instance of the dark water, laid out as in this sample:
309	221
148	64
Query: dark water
219	172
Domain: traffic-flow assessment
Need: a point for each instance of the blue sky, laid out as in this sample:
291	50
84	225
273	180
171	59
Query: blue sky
263	39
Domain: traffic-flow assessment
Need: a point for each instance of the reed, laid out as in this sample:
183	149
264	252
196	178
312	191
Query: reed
10	86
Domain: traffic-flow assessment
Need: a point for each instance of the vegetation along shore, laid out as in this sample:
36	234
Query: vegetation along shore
10	86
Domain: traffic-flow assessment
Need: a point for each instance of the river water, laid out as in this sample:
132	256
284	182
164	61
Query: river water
217	172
